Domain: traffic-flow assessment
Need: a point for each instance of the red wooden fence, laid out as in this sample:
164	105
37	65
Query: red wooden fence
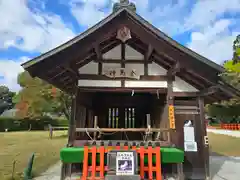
232	127
94	169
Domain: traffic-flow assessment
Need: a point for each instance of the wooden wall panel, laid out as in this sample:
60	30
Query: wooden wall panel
194	161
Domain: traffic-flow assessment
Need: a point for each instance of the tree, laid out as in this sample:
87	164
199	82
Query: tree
236	50
38	98
228	111
6	97
233	65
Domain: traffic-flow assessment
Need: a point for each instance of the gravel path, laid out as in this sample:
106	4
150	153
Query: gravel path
225	132
53	173
221	167
224	168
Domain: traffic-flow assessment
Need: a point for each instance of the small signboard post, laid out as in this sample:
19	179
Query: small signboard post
125	163
122	165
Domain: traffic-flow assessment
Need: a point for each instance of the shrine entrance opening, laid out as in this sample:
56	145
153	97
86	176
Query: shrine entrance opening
124	110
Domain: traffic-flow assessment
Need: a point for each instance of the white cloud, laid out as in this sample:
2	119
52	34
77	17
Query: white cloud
206	12
212	32
30	30
214	42
9	70
89	14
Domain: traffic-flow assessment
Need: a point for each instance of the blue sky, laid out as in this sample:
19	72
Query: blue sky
32	27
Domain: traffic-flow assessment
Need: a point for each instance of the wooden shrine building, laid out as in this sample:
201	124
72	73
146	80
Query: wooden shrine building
124	71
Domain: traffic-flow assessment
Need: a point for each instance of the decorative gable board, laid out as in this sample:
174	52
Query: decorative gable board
90	68
132	54
114	53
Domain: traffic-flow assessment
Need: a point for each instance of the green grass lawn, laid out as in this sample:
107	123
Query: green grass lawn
224	145
18	146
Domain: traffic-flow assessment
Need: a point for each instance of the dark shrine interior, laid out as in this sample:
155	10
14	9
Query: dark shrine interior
125	110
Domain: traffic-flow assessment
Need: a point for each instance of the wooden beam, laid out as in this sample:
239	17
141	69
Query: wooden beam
192	80
146	58
121	129
135	45
57	84
57	75
174	70
142	77
228	89
75	73
80	47
123	57
127	61
97	51
187	61
89	55
204	147
206	92
209	91
125	90
161	62
72	126
154	78
184	94
149	52
170	100
99	57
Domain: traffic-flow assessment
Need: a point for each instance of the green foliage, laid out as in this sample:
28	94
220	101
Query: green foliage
14	124
231	67
225	113
229	111
234	64
236	50
6	97
38	98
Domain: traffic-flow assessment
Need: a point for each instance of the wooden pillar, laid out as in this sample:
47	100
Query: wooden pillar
72	121
99	58
170	91
147	56
165	115
170	101
123	58
205	149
